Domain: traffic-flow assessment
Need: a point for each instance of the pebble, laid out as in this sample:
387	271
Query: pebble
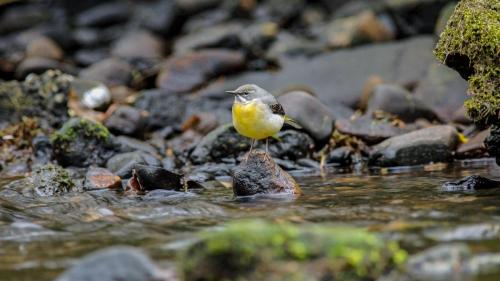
104	15
126	120
111	72
369	129
99	178
138	45
44	47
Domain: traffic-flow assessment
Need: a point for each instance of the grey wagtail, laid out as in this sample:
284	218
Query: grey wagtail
257	114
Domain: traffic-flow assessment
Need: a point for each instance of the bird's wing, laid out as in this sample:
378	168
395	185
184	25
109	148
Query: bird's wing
277	109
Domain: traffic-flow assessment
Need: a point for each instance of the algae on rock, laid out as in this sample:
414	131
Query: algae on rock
470	44
260	250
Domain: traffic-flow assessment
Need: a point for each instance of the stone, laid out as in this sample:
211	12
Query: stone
154	177
340	156
267	250
82	143
50	180
112	72
219	36
163	109
259	174
474	147
316	118
39	65
470	183
465	232
492	142
126	120
400	102
86	57
104	15
160	17
129	144
188	72
138	45
93	94
470	44
293	145
369	129
19	17
123	164
44	47
443	90
42	149
444	16
111	264
428	145
223	142
98	178
287	44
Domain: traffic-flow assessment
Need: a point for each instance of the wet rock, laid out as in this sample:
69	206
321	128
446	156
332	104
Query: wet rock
100	178
44	47
398	101
128	144
160	17
340	156
82	143
110	71
443	90
21	17
473	52
104	15
293	145
122	164
443	262
126	120
282	251
432	144
138	45
154	177
219	36
50	180
163	109
288	44
261	175
43	96
111	264
209	171
93	95
470	183
86	57
42	149
492	142
316	118
190	71
471	232
369	129
223	142
474	147
39	65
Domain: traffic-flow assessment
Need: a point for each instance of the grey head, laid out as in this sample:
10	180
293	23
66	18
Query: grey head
249	92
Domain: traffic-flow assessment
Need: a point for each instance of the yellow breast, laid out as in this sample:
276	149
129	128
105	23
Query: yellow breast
255	120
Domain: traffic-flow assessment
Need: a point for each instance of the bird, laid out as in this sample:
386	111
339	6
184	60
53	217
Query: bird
257	114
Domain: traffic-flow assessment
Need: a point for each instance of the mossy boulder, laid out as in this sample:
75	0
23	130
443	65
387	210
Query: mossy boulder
470	44
260	250
50	180
81	143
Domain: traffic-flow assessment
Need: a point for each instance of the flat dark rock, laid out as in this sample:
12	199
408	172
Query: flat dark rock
470	183
369	129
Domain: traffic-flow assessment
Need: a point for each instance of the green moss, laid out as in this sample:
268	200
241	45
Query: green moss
256	250
77	127
471	44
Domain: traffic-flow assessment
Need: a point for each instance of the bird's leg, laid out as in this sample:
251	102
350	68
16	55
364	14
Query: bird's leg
250	152
267	146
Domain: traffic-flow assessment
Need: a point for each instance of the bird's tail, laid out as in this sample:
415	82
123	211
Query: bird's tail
292	122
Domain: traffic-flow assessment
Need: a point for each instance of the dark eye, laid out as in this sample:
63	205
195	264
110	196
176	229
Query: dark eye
245	93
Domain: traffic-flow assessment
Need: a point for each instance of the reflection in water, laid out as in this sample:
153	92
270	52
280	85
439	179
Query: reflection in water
42	236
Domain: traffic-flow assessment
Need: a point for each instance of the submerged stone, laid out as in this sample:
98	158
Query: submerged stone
470	183
259	174
269	251
154	177
81	143
100	178
50	180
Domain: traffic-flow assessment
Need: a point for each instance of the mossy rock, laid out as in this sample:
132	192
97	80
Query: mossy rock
50	180
260	250
81	143
470	44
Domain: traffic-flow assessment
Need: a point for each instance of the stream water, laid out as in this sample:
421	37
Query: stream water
40	237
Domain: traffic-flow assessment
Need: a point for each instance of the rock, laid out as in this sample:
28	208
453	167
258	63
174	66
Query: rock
443	90
288	44
126	120
223	142
50	180
284	251
474	147
111	264
470	183
369	129
138	45
293	145
432	144
470	44
44	47
261	175
444	16
340	156
398	101
469	232
188	72
209	171
154	177
111	72
316	118
19	17
42	149
122	164
86	57
492	142
93	95
219	36
100	178
44	96
163	109
128	144
39	65
83	143
104	15
160	17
